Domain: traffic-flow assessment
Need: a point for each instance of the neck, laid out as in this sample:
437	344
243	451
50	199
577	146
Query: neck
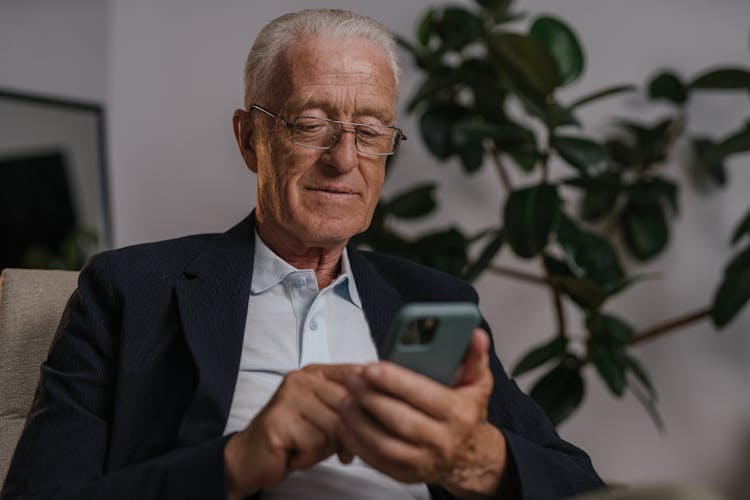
324	261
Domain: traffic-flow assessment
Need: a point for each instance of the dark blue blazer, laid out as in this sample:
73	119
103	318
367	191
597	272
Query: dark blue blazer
133	398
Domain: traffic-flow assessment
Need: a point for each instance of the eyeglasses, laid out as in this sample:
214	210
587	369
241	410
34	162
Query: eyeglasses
322	133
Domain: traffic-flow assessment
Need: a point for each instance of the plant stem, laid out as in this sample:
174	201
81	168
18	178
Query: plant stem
521	275
612	226
662	328
501	170
559	311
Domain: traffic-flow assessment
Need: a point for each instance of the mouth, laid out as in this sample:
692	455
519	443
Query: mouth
336	191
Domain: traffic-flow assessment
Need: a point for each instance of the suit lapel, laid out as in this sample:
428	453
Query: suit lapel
212	301
380	300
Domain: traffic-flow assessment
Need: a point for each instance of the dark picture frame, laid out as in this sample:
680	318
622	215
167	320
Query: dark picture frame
53	179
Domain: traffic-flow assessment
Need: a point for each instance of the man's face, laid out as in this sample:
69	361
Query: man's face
314	198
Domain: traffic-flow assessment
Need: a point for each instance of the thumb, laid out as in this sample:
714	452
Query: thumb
476	360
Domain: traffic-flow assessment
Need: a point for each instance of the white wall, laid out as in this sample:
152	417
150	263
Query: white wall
55	47
173	77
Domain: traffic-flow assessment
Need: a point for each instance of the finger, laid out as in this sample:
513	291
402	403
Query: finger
475	365
336	373
345	456
309	445
311	396
421	392
389	455
396	416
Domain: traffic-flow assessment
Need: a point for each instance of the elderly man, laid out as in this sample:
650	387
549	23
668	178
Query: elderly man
245	363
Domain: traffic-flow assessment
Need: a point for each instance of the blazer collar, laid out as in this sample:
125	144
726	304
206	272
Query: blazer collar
380	300
212	300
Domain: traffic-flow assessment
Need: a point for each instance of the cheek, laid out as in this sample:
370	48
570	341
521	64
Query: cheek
374	178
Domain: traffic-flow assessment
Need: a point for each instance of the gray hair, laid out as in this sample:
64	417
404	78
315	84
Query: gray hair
284	31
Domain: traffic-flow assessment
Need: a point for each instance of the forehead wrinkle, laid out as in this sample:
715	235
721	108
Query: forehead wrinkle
363	107
327	79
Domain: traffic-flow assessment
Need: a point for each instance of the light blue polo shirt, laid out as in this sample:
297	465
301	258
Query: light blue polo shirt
290	324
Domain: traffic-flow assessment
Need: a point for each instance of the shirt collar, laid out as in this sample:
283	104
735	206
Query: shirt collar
346	272
269	270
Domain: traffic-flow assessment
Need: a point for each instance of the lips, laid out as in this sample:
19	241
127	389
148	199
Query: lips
333	190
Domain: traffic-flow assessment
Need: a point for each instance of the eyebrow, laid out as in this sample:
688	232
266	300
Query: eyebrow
326	106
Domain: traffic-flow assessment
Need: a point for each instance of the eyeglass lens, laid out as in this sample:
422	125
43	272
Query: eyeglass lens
324	134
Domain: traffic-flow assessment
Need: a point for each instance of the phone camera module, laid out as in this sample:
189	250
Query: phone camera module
420	331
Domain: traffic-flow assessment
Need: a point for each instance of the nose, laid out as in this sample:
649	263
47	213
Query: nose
343	155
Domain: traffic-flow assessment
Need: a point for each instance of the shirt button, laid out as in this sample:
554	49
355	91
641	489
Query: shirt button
313	325
299	282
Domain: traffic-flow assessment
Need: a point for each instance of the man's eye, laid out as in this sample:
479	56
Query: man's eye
309	127
369	133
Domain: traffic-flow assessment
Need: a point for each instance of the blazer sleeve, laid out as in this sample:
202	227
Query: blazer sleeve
62	452
541	464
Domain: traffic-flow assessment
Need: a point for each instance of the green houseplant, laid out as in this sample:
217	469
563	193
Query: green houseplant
489	92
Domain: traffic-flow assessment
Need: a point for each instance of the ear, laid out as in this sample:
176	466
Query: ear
243	133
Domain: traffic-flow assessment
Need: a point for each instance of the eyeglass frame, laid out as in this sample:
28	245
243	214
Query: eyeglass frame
290	126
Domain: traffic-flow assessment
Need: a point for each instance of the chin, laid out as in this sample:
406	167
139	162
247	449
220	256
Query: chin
333	231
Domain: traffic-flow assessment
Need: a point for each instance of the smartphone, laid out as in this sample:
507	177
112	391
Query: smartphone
431	338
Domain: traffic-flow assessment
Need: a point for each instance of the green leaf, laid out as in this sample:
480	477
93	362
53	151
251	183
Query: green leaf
584	154
723	79
608	182
423	58
610	331
472	156
531	69
628	281
444	250
556	267
498	8
560	116
562	44
417	202
709	161
739	142
485	258
506	135
640	374
611	366
734	291
425	27
669	87
644	229
541	354
588	255
436	125
560	391
742	228
667	190
649	404
440	80
654	190
601	94
528	218
650	144
458	28
526	161
584	292
596	204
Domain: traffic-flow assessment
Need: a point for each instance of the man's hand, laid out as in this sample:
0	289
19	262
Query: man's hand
295	430
417	430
